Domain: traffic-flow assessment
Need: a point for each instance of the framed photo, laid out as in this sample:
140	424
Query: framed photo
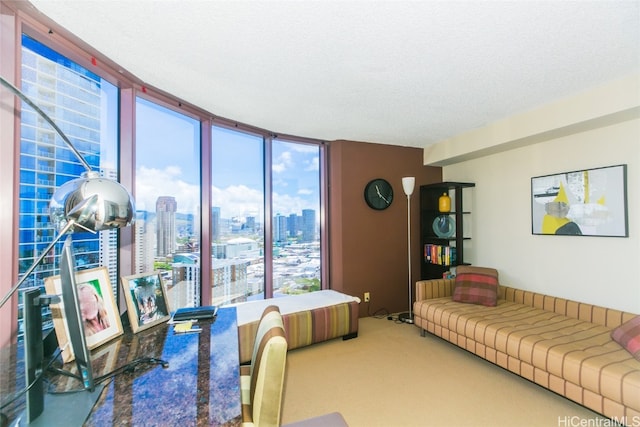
146	298
590	202
99	310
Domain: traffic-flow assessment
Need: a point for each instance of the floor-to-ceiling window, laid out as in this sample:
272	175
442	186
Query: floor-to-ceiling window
265	216
237	215
263	205
168	200
295	176
85	107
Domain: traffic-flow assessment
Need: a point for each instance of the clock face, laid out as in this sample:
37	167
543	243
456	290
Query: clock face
378	194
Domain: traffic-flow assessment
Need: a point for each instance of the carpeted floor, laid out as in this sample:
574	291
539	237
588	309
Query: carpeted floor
391	376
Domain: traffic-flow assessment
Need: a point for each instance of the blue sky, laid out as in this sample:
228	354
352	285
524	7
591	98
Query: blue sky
168	164
168	159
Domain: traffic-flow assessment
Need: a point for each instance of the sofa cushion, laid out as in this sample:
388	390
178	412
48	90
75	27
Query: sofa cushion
628	336
476	285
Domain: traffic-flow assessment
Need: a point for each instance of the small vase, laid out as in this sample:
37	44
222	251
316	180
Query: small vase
444	203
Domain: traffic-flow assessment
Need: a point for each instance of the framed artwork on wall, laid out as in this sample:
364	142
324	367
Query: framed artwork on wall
147	302
589	202
99	310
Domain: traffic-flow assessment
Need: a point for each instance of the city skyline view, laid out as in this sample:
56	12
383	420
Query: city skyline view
167	167
242	164
295	169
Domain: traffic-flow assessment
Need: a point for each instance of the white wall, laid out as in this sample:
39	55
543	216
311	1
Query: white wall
597	270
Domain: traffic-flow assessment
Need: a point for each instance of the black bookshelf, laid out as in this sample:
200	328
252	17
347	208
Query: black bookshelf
442	252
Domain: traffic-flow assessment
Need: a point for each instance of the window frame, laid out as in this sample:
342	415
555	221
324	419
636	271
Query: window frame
19	18
268	140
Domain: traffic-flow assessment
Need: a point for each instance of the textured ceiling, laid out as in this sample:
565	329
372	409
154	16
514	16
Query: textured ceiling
407	73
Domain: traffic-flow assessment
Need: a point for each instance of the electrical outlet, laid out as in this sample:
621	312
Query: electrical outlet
367	296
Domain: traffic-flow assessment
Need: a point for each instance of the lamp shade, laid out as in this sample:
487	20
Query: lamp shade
408	182
92	202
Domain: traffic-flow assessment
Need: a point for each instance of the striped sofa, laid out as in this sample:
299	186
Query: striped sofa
308	319
562	345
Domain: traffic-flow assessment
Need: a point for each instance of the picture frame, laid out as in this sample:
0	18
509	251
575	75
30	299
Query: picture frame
588	202
94	286
146	298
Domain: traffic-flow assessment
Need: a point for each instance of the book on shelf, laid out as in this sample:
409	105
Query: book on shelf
440	254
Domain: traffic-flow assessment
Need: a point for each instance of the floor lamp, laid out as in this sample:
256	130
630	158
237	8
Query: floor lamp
88	203
408	183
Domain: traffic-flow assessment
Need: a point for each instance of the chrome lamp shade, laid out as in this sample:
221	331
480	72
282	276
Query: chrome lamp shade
91	203
88	203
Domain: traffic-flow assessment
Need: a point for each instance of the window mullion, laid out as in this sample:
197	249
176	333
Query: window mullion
268	217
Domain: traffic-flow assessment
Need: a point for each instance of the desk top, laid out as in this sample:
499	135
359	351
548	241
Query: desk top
200	387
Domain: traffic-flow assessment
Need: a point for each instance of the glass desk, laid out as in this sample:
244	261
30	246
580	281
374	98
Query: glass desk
200	386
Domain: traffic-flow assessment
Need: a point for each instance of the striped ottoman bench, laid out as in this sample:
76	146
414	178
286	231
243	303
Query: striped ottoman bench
308	319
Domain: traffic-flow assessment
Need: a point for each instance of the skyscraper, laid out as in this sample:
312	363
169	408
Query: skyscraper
215	223
250	224
65	91
280	228
308	225
79	102
292	225
166	207
109	246
144	231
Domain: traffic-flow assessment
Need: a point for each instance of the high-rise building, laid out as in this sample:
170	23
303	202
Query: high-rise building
250	224
75	99
109	245
64	91
308	225
215	223
280	228
292	225
185	288
144	239
166	207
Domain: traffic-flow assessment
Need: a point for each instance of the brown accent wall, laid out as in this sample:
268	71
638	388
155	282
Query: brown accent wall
368	248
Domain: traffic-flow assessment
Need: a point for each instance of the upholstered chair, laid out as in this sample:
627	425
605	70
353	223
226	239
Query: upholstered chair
262	382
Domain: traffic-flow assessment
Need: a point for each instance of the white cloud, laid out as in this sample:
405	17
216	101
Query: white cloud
313	164
238	201
283	162
152	183
285	204
233	201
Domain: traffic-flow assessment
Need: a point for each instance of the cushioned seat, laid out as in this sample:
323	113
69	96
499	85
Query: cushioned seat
261	383
563	345
308	319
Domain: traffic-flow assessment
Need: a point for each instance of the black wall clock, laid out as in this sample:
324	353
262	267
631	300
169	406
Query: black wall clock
378	194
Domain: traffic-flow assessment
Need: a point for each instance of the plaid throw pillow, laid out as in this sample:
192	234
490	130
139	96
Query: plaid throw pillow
476	285
628	336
